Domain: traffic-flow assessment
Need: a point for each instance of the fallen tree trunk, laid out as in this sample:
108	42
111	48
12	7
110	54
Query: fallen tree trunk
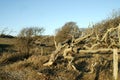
76	41
55	54
98	51
53	57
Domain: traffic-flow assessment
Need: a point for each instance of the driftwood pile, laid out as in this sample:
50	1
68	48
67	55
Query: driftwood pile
89	43
93	42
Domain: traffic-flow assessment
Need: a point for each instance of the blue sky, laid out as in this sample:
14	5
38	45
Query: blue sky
52	14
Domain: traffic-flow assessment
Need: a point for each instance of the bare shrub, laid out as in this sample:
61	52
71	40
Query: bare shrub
23	44
7	58
31	31
25	38
5	33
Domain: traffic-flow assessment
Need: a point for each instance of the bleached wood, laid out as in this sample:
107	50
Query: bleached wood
106	34
96	51
76	41
55	43
115	64
119	33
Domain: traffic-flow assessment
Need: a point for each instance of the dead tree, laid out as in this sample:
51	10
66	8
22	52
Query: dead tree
93	44
67	47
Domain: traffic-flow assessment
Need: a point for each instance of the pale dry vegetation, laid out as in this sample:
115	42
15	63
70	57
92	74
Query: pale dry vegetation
72	54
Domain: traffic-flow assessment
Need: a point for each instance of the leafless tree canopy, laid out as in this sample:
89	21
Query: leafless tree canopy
32	31
25	40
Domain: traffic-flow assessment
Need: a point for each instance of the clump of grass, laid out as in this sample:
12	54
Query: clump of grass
37	61
7	58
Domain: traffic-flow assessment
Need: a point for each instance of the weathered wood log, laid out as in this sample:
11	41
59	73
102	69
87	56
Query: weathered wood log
113	45
106	51
66	51
54	55
92	47
68	54
106	34
86	47
76	41
96	51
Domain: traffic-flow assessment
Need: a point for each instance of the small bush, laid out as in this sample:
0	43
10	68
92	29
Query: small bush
6	36
67	31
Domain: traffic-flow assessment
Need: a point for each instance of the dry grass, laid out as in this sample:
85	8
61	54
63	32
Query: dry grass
9	41
32	69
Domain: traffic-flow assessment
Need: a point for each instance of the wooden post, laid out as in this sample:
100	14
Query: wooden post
42	51
119	33
115	64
